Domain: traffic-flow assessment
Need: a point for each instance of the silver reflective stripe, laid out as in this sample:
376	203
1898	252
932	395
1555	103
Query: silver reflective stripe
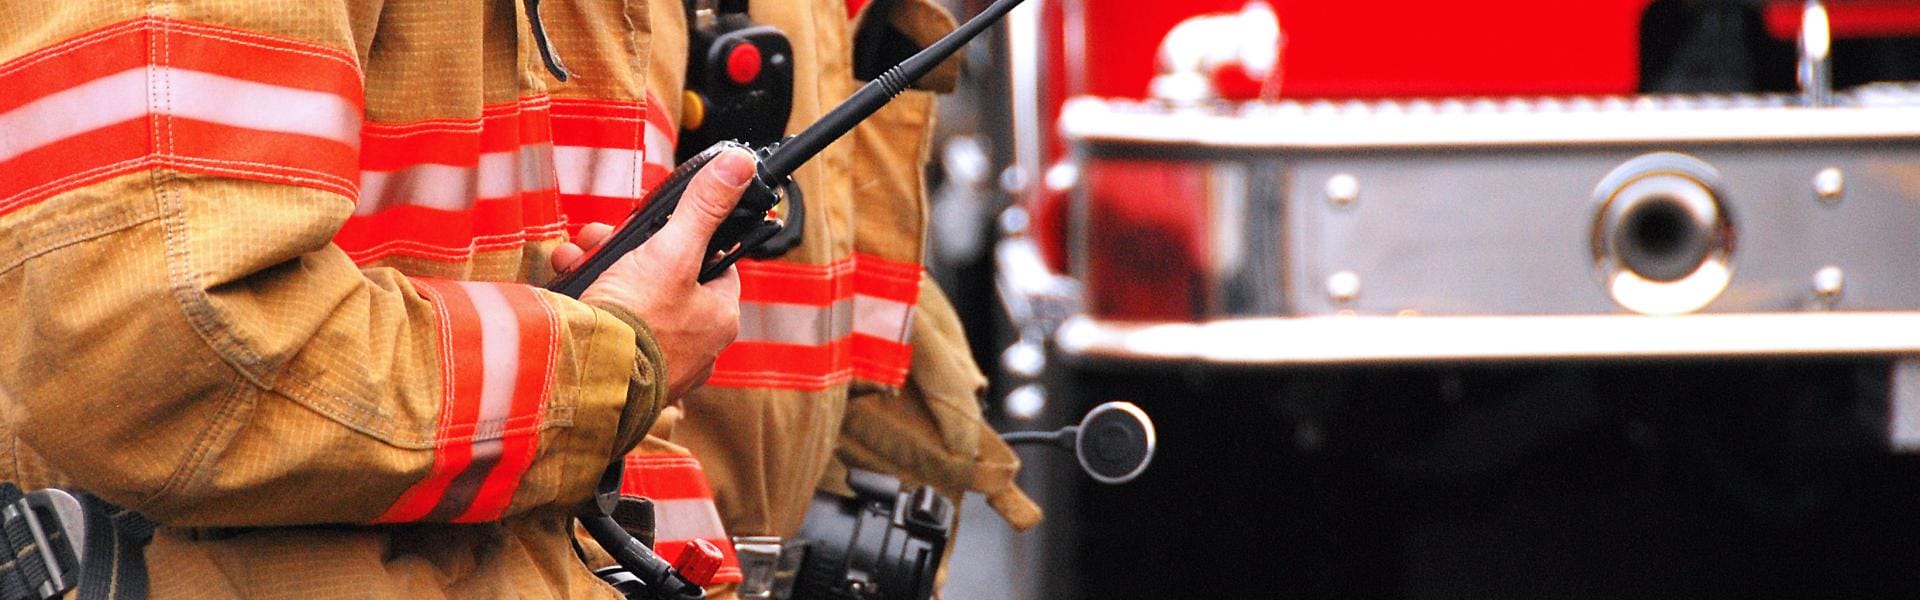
881	318
607	172
447	187
685	519
798	324
801	324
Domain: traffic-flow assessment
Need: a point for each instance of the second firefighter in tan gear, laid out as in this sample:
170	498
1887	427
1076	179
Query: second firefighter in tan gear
847	350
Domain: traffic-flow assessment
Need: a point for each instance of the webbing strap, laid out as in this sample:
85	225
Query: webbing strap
23	572
39	563
38	560
115	567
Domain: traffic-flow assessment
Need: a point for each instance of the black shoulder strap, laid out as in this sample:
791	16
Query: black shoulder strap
115	565
41	531
39	557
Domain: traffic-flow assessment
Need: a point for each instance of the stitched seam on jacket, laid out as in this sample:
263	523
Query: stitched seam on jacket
183	278
195	466
60	236
375	424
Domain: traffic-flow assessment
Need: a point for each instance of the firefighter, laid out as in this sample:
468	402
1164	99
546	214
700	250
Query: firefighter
268	274
271	281
848	354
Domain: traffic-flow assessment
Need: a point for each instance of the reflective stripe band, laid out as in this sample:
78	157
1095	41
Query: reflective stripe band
683	508
82	108
795	324
216	102
886	292
219	99
445	189
608	172
681	520
607	154
809	327
497	343
232	53
456	188
881	317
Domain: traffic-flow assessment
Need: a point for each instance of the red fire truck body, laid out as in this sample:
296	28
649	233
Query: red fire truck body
1491	299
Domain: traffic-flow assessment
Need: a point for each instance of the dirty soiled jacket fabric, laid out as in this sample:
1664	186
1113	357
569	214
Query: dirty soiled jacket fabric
265	272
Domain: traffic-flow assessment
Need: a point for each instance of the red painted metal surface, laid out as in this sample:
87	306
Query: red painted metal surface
1849	18
1146	254
1393	48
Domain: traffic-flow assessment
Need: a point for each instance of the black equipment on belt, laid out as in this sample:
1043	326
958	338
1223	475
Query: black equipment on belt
57	541
885	542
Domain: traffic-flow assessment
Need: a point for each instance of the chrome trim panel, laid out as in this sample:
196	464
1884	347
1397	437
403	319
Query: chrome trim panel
1508	230
1333	340
1881	111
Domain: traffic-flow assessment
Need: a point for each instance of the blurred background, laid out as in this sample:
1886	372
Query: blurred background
1498	298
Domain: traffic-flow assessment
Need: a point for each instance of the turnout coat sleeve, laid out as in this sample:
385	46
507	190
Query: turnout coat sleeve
180	334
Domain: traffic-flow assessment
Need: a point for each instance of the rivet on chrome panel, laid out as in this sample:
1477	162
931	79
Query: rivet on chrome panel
1830	184
1343	287
1342	190
1828	284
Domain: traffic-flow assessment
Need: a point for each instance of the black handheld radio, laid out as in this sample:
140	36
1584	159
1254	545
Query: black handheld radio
747	229
745	232
739	78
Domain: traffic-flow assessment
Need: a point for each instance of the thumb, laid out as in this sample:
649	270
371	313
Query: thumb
709	197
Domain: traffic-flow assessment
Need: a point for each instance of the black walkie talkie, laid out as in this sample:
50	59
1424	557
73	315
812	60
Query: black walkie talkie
743	232
747	228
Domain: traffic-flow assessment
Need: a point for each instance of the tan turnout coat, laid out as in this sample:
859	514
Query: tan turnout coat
269	269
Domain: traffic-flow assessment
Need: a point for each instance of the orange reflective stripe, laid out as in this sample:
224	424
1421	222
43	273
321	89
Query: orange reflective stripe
460	383
497	342
885	293
683	507
151	93
810	327
444	189
607	154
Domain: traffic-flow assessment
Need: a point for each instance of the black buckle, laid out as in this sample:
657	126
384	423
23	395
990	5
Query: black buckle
45	536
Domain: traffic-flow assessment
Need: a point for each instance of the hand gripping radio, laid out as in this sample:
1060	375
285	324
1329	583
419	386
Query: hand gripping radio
745	232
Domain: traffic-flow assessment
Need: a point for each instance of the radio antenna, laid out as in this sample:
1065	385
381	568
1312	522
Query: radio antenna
785	159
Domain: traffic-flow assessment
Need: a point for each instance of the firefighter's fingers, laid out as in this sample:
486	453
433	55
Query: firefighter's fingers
710	196
568	254
592	235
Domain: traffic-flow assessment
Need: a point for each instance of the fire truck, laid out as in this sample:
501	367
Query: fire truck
1506	298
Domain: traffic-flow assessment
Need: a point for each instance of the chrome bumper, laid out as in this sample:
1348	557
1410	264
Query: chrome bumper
1332	340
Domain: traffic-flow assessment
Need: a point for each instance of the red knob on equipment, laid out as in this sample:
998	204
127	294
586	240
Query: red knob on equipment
698	561
743	63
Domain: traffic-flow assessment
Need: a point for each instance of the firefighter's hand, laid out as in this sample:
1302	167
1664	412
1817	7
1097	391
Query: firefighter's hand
659	281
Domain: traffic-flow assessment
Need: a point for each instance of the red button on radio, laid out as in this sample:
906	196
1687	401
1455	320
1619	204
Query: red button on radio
743	63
